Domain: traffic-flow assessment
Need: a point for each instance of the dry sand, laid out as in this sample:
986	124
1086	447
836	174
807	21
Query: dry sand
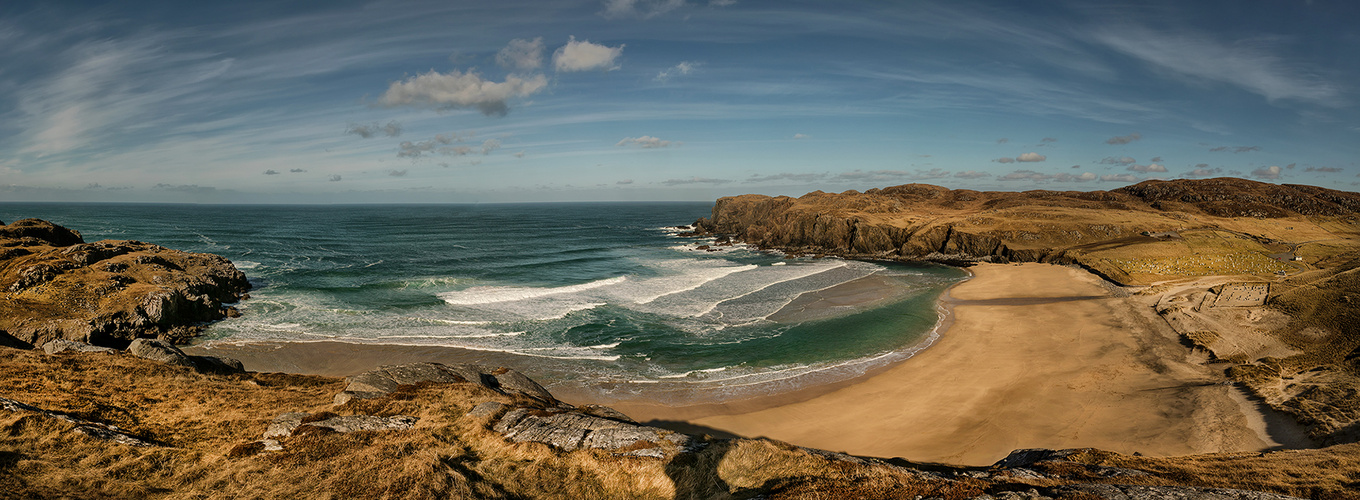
1038	356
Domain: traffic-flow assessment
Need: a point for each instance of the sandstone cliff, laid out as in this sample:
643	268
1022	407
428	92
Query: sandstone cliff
1119	234
56	286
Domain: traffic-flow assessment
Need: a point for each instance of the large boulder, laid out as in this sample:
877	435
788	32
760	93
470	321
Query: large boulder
385	379
159	351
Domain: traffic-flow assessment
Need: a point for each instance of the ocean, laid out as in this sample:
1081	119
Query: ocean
598	298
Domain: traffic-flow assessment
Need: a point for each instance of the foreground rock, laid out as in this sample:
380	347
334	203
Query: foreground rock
95	430
54	285
385	379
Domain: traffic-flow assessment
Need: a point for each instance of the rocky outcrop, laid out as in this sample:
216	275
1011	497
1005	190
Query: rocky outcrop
62	345
97	430
569	429
385	379
56	286
164	352
924	222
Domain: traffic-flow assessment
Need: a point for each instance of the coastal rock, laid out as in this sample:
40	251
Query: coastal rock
924	222
106	293
159	351
38	231
287	424
97	430
62	345
571	430
1137	492
220	365
385	379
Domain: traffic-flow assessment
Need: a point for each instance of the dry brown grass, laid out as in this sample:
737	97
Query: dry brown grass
207	426
1328	473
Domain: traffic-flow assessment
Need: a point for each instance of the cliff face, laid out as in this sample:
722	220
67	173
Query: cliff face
56	286
918	221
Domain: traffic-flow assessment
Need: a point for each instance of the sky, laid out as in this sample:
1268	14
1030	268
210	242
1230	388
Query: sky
634	100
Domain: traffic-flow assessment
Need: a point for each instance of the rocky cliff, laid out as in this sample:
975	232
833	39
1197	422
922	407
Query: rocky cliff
925	222
56	286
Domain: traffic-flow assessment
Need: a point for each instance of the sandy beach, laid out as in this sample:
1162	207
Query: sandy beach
1038	356
1034	356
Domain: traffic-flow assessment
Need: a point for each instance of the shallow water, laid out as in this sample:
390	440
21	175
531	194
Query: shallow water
603	298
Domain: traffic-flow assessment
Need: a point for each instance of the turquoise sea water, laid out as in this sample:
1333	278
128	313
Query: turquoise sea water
604	289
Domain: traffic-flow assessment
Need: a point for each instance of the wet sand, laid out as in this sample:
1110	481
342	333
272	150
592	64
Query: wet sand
1038	356
1033	356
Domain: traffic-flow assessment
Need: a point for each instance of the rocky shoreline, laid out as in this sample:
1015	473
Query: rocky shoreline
108	293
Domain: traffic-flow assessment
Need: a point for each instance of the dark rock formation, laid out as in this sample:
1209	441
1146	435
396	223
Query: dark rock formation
385	379
163	352
107	293
95	430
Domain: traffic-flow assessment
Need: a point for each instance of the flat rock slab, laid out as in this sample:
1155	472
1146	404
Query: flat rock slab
385	379
97	430
284	424
571	430
1135	492
62	345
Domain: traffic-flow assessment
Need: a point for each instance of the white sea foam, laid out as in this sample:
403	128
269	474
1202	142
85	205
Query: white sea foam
245	264
493	294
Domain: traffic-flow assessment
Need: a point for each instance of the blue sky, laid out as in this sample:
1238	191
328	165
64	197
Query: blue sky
458	101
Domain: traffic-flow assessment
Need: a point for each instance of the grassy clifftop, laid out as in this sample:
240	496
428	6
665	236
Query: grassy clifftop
198	435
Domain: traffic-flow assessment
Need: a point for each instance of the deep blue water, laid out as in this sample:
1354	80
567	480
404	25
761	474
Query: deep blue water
601	288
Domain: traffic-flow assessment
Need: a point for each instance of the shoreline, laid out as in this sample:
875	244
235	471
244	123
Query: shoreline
1039	356
966	396
344	358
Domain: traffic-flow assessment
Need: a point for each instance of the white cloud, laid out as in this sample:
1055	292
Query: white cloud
391	129
1124	139
800	136
1004	160
1203	170
1024	175
1152	167
785	177
1249	64
397	173
408	149
490	145
1271	173
694	180
457	90
646	142
643	9
1118	178
334	178
271	172
585	56
521	54
519	154
624	182
684	68
722	3
892	175
1123	160
971	174
1031	157
1066	177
